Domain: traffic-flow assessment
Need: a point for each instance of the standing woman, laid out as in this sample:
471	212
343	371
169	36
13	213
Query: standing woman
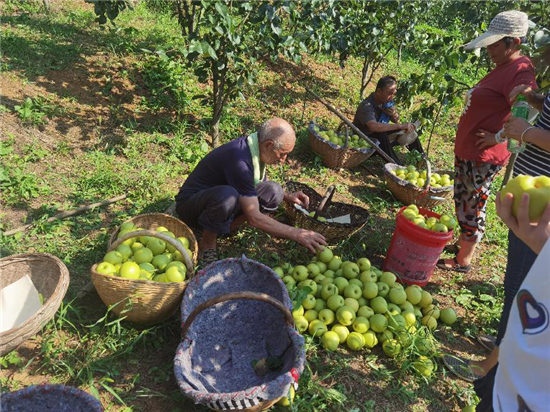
478	156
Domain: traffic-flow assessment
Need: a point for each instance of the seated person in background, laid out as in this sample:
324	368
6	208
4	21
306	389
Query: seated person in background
228	187
374	114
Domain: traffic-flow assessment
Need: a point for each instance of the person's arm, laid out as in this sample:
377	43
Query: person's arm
392	112
533	98
377	127
533	235
515	127
251	208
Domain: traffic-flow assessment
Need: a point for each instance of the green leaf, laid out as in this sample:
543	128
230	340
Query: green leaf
222	9
207	49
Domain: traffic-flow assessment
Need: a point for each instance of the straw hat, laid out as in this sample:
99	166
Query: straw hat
511	23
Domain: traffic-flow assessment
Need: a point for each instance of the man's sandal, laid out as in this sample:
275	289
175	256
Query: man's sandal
455	268
461	368
487	341
207	257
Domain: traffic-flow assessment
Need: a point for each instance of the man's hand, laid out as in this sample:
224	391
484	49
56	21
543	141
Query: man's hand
409	127
392	112
514	127
521	89
487	139
312	240
298	198
533	235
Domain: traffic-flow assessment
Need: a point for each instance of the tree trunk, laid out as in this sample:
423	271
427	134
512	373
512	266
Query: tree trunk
364	83
216	117
399	51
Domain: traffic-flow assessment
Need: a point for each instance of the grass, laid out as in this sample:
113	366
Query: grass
117	132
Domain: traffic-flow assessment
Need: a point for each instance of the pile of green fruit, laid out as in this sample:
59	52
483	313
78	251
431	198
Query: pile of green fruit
354	141
418	178
357	304
146	257
443	224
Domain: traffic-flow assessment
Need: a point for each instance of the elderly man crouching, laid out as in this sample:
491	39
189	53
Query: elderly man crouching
229	187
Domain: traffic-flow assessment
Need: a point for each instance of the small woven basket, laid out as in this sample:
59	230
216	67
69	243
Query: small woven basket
235	312
58	398
427	197
145	301
333	232
335	156
49	276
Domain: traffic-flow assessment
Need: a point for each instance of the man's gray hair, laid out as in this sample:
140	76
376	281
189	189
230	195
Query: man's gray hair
272	130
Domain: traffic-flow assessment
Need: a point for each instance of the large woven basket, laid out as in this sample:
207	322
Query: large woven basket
58	398
333	232
49	276
427	197
144	301
235	312
335	156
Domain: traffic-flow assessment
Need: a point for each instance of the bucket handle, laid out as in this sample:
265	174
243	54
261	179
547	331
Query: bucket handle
262	297
177	245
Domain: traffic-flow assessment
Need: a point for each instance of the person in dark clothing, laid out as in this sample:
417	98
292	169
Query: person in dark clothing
229	187
377	117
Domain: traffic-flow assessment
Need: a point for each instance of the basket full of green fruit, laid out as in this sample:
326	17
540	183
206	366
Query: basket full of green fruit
423	187
338	150
146	269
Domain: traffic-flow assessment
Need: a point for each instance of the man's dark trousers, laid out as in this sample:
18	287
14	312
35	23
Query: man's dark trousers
215	208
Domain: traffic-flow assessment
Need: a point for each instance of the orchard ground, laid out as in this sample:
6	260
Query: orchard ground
95	130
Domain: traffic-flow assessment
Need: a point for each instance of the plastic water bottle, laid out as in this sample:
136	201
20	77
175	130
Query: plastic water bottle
519	109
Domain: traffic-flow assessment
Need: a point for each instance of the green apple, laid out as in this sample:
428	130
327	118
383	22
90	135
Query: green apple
130	270
125	251
334	264
342	332
136	245
384	336
425	346
289	281
317	328
448	316
328	291
106	268
352	303
393	308
379	305
345	315
383	289
297	310
113	257
419	221
184	241
368	276
300	273
157	246
397	296
320	305
326	316
365	312
309	283
448	221
355	341
301	323
329	274
161	261
429	322
309	302
431	310
414	294
335	302
330	340
143	255
370	339
370	290
341	283
279	271
362	301
388	278
425	299
409	317
361	325
319	279
418	313
175	274
423	366
322	266
326	281
364	264
147	267
406	306
313	270
356	282
311	315
397	323
353	291
409	214
350	270
431	221
538	189
325	255
127	227
378	323
391	348
439	227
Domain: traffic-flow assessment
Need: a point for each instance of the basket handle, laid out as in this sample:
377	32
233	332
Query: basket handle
179	247
262	297
325	201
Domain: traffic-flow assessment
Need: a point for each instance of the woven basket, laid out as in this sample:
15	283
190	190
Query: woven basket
58	398
49	276
335	156
333	232
145	301
427	197
236	311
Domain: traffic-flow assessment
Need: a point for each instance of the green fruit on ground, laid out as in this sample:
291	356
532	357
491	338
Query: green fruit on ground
320	304
330	340
469	408
326	316
378	323
365	311
311	315
298	311
329	274
361	325
341	283
426	299
370	339
355	341
424	366
309	302
406	306
368	276
300	273
317	328
313	270
329	290
362	301
418	313
345	315
414	295
429	322
384	336
364	264
319	279
353	291
397	322
383	289
334	264
352	303
113	257
391	348
350	270
397	296
279	271
309	283
106	268
370	290
143	255
287	400
335	302
388	278
342	332
322	266
356	282
379	305
393	308
325	255
301	323
424	346
409	317
129	270
289	281
448	316
431	310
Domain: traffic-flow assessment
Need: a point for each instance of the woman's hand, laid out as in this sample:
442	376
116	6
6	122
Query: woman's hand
514	127
523	89
486	139
298	198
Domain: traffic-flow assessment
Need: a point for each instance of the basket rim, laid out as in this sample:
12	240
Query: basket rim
60	290
365	151
404	183
53	389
